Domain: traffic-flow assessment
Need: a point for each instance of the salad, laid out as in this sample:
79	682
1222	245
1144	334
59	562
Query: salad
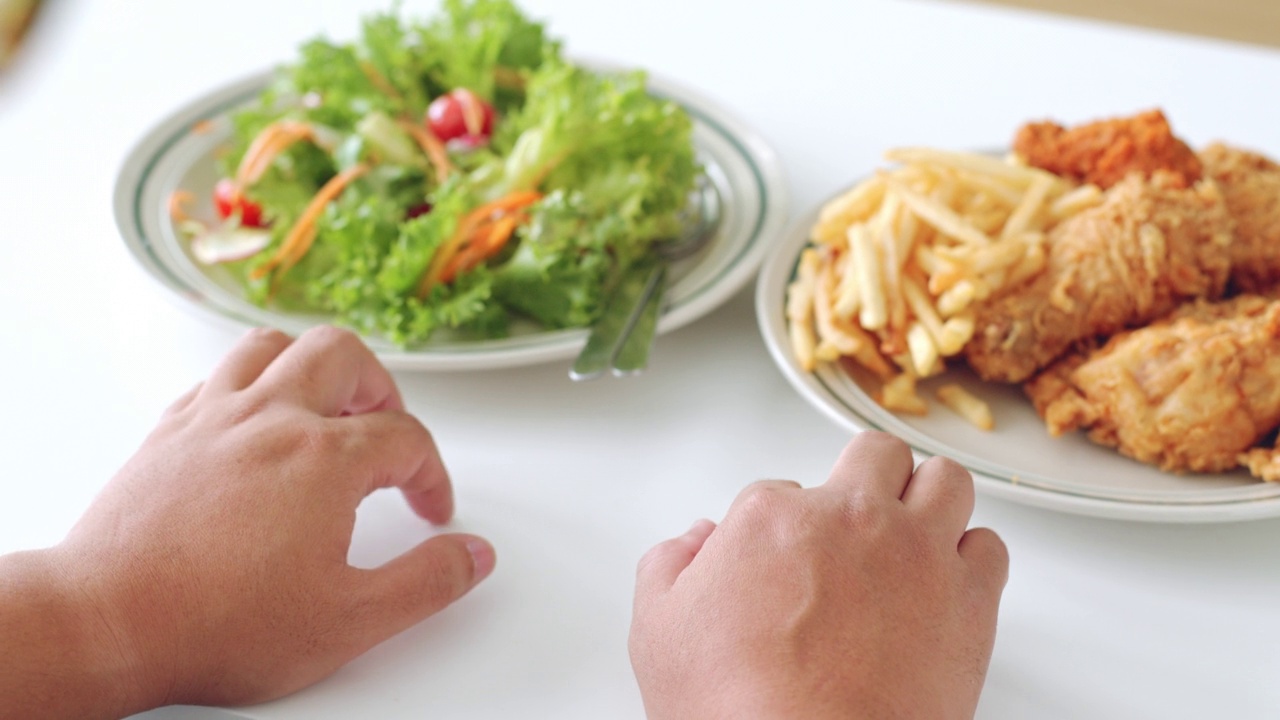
456	173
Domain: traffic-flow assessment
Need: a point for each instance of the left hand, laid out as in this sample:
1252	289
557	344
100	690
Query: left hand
216	560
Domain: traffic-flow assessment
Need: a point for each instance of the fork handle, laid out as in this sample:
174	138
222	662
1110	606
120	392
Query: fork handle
633	353
625	304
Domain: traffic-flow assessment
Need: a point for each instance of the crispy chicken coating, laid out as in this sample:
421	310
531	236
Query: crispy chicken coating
1150	246
1104	152
1250	184
1193	392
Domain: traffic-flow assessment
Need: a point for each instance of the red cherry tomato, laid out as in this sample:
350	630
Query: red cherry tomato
460	114
228	201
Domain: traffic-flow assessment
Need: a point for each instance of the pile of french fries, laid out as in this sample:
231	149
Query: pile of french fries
895	264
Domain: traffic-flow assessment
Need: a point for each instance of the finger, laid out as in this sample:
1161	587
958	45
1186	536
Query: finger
987	557
762	486
394	449
941	492
330	371
183	401
873	462
660	567
246	361
421	583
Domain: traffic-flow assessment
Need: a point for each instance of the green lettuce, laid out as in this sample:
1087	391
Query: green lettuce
614	166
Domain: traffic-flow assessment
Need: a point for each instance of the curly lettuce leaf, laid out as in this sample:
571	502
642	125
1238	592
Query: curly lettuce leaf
606	137
621	165
615	165
485	46
560	270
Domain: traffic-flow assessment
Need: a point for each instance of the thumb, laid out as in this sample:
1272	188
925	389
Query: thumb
660	567
426	580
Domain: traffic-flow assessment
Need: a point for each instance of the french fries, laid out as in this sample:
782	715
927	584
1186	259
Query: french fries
967	405
897	263
899	394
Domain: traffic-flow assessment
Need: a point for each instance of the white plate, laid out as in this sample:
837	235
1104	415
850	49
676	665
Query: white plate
175	156
1018	460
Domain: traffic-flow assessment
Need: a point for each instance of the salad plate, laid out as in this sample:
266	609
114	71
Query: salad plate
1018	460
181	153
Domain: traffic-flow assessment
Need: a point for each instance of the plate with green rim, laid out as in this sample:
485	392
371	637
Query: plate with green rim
180	153
1018	460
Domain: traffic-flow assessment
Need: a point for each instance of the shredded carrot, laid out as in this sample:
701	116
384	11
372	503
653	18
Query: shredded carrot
273	140
178	202
303	233
203	127
485	243
466	230
506	203
432	146
472	113
496	236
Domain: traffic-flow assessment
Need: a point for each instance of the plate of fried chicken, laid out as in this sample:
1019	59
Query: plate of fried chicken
1124	345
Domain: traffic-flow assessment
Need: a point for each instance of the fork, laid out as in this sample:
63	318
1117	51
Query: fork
622	337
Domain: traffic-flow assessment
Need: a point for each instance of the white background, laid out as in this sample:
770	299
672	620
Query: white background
572	482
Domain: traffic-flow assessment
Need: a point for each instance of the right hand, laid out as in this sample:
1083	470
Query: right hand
864	597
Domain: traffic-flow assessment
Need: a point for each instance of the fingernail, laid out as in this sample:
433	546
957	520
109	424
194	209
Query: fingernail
482	557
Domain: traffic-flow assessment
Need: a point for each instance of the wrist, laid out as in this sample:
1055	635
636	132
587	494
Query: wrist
72	658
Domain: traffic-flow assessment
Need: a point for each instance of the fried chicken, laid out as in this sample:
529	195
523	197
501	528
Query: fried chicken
1104	152
1195	391
1250	184
1148	247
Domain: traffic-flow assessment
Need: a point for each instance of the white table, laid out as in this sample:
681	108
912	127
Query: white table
1101	619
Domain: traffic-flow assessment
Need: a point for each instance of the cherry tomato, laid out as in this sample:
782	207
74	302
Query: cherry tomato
460	114
418	210
228	200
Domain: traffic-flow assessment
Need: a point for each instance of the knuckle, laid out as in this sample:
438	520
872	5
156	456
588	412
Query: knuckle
411	425
945	466
447	579
993	554
332	336
881	441
264	335
873	448
999	551
789	519
946	476
762	500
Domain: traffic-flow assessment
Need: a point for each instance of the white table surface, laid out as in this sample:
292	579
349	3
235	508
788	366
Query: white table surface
572	482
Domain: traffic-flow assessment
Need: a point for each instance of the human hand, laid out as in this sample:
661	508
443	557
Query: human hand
217	557
861	598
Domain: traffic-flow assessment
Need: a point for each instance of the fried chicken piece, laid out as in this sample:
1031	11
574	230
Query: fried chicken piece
1104	152
1251	186
1194	391
1149	246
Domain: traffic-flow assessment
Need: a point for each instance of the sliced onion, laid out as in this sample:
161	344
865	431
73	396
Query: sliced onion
325	137
229	243
464	144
